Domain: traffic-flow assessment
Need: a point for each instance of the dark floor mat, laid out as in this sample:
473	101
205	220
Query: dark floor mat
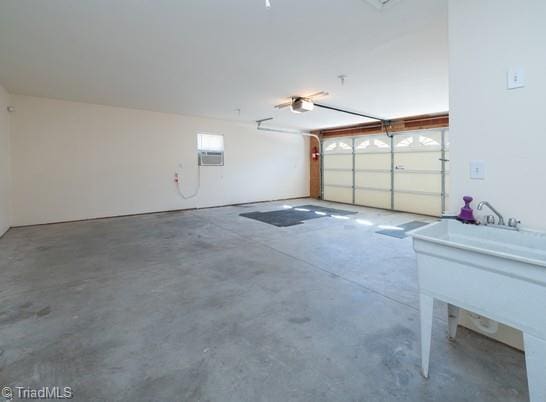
404	228
294	216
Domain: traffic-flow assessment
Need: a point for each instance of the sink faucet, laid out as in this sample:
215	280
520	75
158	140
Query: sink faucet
481	205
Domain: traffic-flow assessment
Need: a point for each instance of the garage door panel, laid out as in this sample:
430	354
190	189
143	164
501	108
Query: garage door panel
418	160
373	161
373	179
340	178
373	198
337	162
426	182
339	194
418	203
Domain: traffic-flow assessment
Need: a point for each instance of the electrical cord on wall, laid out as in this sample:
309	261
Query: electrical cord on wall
177	179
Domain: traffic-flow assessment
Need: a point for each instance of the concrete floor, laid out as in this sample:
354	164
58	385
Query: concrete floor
206	305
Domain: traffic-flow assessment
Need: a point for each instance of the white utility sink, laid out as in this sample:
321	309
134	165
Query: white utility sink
497	273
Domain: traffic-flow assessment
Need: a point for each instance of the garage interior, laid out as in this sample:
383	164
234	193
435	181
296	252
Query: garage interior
234	201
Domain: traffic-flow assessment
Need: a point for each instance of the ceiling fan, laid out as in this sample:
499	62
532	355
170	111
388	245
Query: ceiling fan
301	104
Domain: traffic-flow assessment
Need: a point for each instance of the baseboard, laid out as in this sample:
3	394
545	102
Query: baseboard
158	212
5	231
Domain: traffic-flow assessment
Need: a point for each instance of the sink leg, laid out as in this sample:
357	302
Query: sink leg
535	361
426	304
453	320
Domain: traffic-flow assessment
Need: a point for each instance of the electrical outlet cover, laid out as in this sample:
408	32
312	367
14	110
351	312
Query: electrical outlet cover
515	78
477	170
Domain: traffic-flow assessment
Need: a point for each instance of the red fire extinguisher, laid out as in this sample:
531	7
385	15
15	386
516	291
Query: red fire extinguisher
315	154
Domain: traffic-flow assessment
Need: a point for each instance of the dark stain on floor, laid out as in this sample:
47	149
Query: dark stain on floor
299	320
22	312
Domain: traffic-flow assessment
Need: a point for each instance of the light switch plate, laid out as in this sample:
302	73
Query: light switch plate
477	170
515	78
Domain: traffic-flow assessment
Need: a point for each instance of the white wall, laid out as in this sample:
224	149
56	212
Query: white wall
505	128
75	161
4	162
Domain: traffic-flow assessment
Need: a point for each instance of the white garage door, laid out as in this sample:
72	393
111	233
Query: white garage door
337	165
408	172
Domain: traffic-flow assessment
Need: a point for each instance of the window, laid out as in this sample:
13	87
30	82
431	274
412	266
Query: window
210	149
338	146
428	142
210	142
430	139
406	142
370	144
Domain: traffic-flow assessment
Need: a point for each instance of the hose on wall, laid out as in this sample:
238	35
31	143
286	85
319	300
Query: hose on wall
178	179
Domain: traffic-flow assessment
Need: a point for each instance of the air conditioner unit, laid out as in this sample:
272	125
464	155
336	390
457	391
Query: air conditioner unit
211	158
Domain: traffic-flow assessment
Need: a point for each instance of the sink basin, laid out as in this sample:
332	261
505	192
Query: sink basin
524	246
494	272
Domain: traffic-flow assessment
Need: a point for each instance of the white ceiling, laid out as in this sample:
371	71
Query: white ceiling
210	57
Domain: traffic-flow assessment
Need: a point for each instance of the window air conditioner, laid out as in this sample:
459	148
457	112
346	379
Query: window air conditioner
211	158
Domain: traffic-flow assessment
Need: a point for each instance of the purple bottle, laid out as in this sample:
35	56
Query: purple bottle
467	214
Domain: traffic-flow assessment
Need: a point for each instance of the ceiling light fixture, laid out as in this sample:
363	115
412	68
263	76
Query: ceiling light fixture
267	3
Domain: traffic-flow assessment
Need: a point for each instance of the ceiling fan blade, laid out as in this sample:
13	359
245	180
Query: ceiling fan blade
319	94
283	105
